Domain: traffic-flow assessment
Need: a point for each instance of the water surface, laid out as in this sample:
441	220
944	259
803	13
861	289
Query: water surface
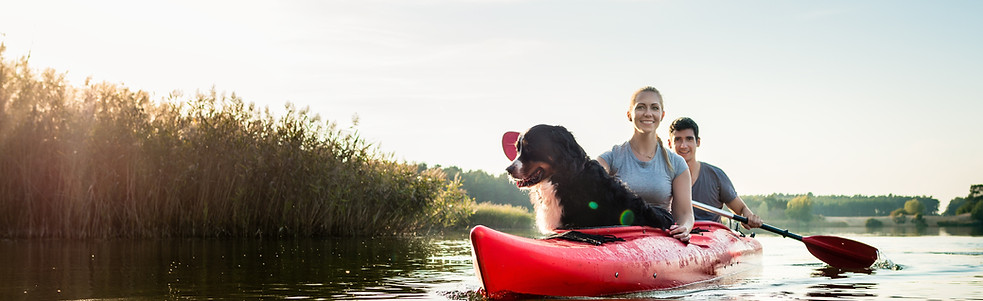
928	263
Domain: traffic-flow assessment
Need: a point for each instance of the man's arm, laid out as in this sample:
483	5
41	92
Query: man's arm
740	208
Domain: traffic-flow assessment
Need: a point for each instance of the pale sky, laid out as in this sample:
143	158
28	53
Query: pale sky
828	97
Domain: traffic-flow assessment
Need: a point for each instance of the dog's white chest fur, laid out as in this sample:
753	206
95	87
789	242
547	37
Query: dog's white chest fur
548	209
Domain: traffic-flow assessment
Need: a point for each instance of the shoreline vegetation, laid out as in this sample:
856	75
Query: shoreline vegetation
103	161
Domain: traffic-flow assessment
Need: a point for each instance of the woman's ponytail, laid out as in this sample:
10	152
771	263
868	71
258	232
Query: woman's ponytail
665	154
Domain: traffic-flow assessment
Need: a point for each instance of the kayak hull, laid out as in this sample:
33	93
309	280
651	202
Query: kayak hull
647	259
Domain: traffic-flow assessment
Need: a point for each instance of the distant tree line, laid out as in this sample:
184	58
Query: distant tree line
499	189
486	188
841	205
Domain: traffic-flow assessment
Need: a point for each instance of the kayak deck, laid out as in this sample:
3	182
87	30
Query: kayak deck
646	260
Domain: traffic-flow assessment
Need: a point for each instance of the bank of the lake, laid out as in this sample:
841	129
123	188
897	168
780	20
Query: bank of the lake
887	221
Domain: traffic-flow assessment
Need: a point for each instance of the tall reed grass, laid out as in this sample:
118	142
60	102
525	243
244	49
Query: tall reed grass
502	216
104	161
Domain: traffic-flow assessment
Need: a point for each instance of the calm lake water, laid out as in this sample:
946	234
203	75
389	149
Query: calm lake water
945	264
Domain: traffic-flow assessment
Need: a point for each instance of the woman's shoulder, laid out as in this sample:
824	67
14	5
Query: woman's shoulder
615	157
624	146
616	151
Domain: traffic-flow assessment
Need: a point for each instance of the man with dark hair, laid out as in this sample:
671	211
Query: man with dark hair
711	185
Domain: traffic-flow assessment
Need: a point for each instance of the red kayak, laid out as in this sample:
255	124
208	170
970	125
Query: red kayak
646	259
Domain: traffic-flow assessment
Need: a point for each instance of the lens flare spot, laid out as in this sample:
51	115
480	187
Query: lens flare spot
592	205
627	217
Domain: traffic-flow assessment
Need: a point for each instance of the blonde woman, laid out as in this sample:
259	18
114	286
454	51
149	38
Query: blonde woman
656	175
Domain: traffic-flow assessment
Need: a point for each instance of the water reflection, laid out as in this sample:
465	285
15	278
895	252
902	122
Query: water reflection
836	273
316	268
840	291
942	266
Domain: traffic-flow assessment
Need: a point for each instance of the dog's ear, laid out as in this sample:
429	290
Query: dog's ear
572	153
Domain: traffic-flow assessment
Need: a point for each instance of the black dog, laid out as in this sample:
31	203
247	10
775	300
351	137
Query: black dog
572	190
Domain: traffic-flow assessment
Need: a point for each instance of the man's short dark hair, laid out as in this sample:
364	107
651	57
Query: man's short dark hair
683	123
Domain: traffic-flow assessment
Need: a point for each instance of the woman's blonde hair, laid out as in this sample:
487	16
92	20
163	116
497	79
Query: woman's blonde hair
665	152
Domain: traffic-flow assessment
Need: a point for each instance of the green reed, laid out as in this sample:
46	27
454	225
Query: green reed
104	161
502	216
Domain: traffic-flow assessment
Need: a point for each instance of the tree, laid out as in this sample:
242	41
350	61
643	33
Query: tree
898	215
966	207
977	212
919	220
873	223
763	210
800	208
953	206
974	203
486	188
914	207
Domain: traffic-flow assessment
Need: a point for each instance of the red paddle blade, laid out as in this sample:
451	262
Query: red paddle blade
841	252
508	144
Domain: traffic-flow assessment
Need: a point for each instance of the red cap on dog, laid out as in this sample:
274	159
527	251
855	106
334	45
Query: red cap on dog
508	144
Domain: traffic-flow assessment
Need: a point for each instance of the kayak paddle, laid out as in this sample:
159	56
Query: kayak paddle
838	252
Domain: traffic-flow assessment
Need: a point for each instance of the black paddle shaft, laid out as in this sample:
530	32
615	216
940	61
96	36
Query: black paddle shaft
782	232
742	219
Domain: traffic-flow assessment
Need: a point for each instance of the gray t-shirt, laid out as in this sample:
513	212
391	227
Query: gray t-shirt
713	188
649	180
